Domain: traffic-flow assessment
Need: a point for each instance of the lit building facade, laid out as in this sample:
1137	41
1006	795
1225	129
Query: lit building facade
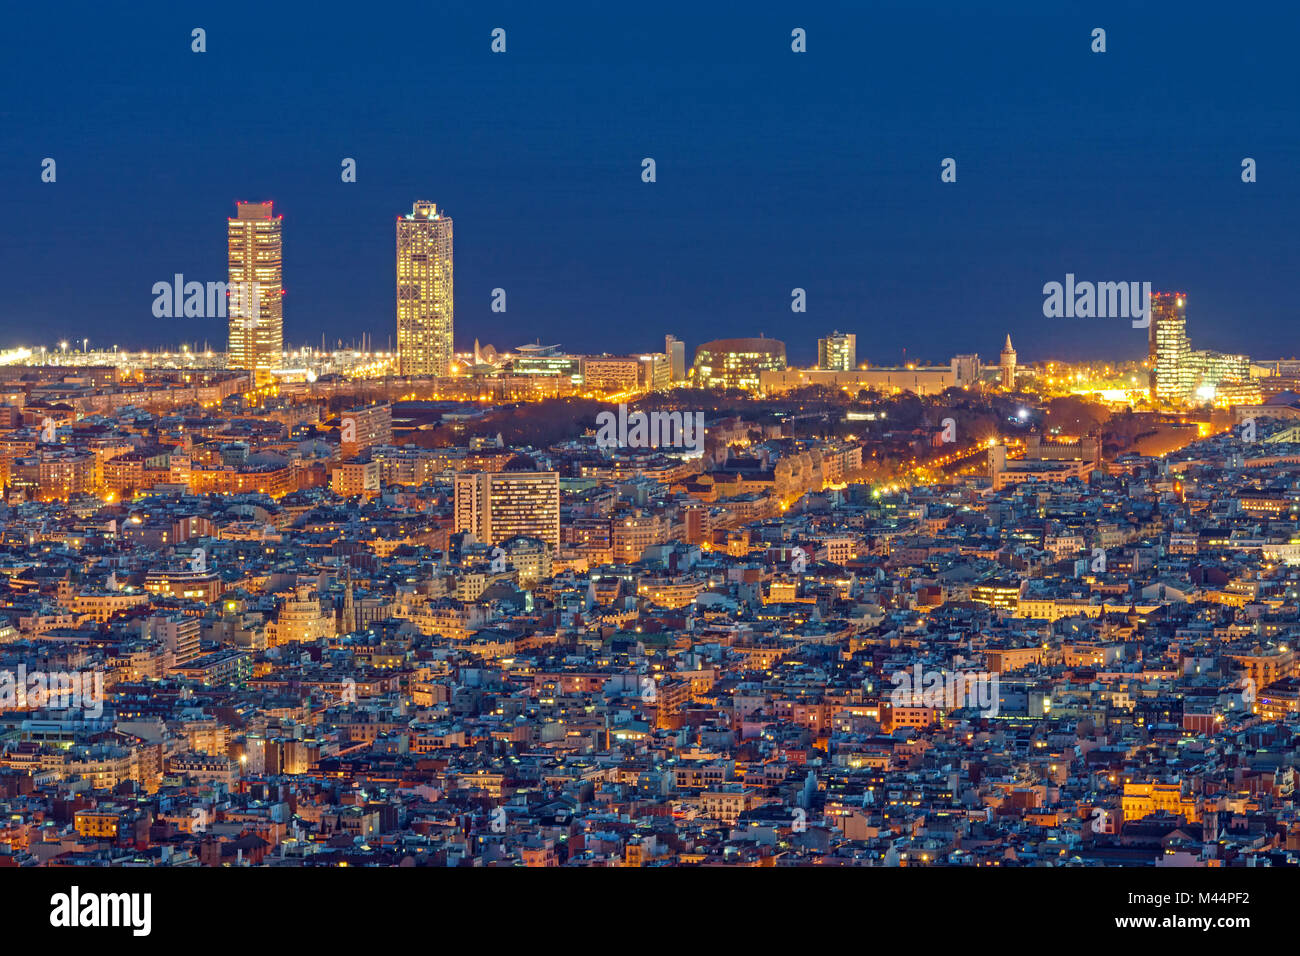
205	586
656	370
611	373
1228	392
838	352
364	426
1210	370
1172	377
425	294
547	361
737	363
352	478
255	307
928	380
494	506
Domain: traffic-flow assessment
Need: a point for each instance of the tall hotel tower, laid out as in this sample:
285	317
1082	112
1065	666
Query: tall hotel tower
254	308
1169	352
425	305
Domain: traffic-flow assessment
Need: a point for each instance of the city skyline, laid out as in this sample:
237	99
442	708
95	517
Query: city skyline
852	439
559	217
426	320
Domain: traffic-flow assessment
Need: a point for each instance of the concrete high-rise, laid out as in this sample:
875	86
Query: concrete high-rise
838	352
494	506
675	349
365	426
255	307
425	300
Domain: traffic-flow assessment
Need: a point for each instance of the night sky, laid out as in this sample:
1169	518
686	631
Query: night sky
775	170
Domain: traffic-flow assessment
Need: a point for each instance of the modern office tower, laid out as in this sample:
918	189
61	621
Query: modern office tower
737	363
675	349
494	506
1008	364
1210	368
425	301
1172	377
838	352
255	309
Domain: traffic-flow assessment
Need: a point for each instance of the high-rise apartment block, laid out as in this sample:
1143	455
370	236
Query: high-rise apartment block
255	309
495	506
425	301
364	426
838	352
178	632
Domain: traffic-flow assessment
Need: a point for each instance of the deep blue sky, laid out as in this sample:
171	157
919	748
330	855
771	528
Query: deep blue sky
775	169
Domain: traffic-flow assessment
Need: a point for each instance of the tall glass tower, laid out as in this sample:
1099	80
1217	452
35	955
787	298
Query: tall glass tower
425	305
1169	352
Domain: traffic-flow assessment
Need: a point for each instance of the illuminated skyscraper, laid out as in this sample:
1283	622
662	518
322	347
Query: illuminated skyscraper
838	352
255	309
1168	351
425	304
